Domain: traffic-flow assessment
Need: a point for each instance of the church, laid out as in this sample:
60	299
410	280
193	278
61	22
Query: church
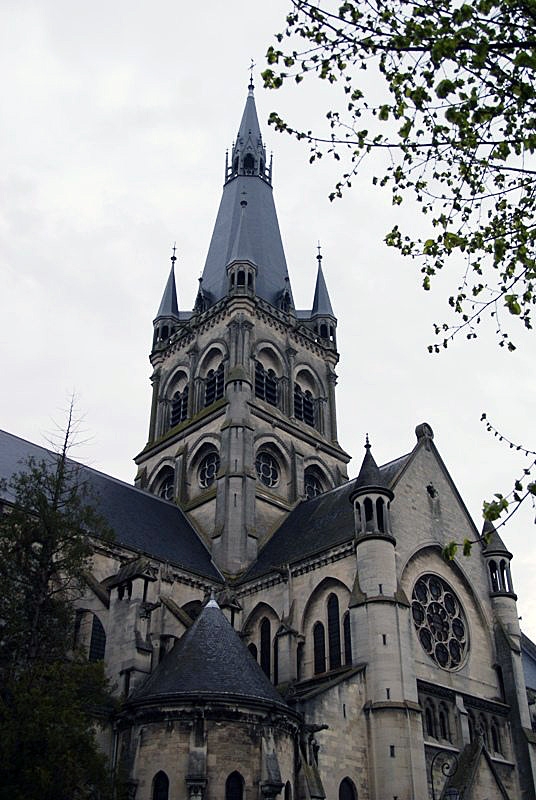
274	629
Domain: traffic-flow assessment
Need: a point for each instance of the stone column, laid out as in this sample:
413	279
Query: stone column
155	381
332	382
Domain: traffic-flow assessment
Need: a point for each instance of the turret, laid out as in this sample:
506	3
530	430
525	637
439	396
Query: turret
503	598
167	318
378	612
371	499
324	320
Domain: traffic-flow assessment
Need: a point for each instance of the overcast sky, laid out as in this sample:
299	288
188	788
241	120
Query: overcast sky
115	121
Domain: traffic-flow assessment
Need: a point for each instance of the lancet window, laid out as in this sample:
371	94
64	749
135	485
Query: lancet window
179	407
266	384
304	408
214	385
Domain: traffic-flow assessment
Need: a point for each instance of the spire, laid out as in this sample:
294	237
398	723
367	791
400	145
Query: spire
321	303
168	304
369	475
249	233
493	544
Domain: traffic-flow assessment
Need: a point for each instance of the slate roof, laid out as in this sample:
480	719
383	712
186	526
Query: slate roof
253	235
321	301
315	525
140	521
369	474
494	544
209	662
168	305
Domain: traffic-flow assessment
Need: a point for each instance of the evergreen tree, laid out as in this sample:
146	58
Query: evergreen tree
50	697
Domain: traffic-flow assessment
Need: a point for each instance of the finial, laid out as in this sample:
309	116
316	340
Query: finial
251	85
367	443
174	257
319	256
212	602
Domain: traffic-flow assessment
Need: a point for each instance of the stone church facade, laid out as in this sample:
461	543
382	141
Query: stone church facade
276	630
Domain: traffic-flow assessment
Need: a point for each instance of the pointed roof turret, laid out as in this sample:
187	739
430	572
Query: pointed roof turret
493	544
168	305
247	233
370	476
321	303
209	662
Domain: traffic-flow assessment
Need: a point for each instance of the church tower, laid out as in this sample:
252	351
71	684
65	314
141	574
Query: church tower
243	420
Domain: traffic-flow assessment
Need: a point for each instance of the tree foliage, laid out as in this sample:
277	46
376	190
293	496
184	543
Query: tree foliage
50	697
456	114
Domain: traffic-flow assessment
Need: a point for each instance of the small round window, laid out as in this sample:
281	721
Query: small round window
439	621
208	469
267	469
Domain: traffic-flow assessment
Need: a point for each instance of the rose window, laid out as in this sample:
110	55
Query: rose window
439	621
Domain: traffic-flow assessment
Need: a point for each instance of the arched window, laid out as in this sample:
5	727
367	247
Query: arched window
266	645
347	633
471	724
304	406
253	650
288	791
494	576
214	385
444	727
495	737
299	659
369	512
179	407
319	647
267	469
166	490
347	790
334	632
249	164
234	787
429	722
265	384
505	577
160	786
380	514
97	645
311	483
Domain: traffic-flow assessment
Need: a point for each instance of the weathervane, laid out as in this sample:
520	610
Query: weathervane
251	66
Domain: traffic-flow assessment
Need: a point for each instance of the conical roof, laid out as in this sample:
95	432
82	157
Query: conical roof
249	232
209	661
370	476
321	303
168	305
494	543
